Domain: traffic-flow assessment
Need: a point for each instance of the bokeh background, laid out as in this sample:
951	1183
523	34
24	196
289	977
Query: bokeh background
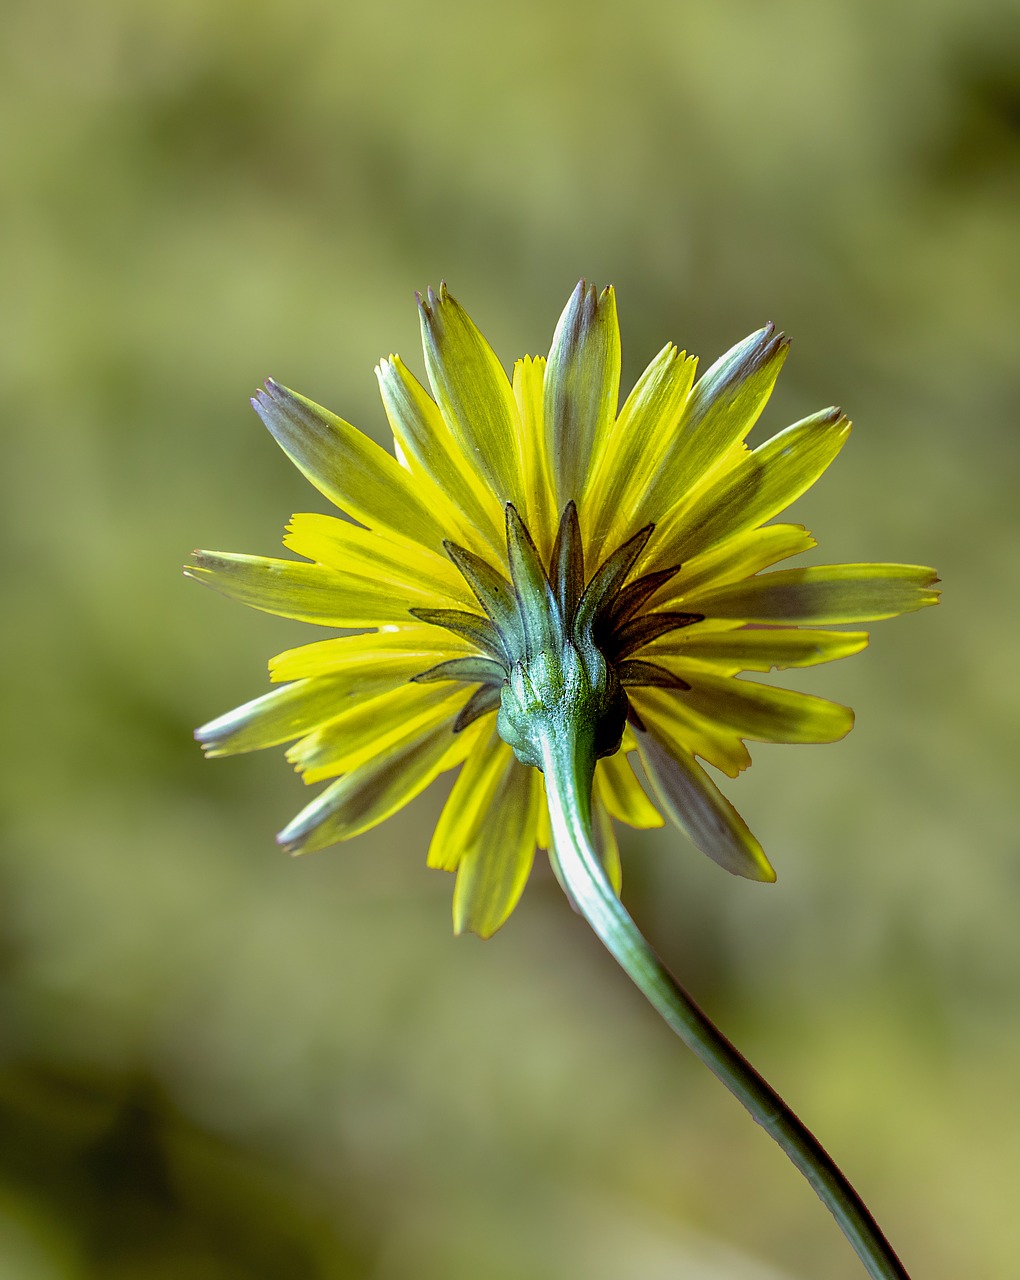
216	1062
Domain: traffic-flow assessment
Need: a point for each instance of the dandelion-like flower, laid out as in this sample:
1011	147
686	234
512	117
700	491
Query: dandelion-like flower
543	587
532	564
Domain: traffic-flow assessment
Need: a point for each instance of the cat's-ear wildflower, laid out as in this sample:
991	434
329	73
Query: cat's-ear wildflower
529	548
544	586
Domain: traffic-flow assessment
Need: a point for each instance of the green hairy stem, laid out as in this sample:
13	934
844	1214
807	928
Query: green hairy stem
568	761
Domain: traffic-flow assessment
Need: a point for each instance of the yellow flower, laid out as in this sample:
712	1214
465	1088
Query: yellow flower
529	549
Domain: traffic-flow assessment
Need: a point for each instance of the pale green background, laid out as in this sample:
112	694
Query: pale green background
218	1063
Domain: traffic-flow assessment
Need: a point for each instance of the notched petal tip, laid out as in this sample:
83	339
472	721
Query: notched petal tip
295	838
273	398
199	566
272	392
219	737
831	417
585	305
762	338
388	366
464	929
427	303
758	351
776	347
932	593
433	300
288	844
188	569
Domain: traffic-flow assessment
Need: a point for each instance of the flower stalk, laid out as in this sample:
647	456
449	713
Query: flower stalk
568	761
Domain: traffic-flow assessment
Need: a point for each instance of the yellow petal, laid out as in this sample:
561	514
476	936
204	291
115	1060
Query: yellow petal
763	712
677	723
622	793
405	567
582	389
306	592
637	441
473	392
494	870
357	667
544	835
733	560
369	795
822	594
720	410
606	844
697	806
372	727
540	512
760	648
430	449
468	802
349	468
273	718
758	486
377	658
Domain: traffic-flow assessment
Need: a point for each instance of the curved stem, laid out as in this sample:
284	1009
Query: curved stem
569	768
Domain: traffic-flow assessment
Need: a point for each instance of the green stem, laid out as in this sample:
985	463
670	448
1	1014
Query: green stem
569	768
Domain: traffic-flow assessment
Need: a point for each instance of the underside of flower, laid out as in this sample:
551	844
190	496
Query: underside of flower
543	585
535	563
556	644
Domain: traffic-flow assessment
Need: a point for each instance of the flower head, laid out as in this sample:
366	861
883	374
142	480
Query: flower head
530	562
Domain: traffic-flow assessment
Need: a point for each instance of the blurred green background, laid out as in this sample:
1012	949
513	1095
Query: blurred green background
216	1062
